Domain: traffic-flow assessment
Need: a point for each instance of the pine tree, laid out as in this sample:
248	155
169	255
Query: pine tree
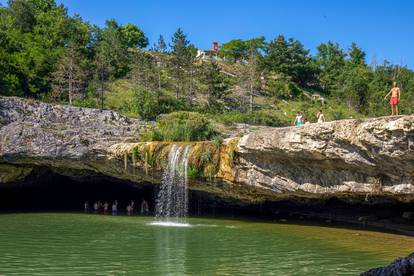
215	81
160	48
180	59
290	58
331	61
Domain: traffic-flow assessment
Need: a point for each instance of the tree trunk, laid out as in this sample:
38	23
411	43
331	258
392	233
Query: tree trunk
102	90
70	91
70	80
251	98
159	79
191	83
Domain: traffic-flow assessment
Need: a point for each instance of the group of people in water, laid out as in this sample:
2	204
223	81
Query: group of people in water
104	208
395	94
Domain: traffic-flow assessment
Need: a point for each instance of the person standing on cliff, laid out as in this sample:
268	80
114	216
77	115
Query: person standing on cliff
320	117
298	120
395	98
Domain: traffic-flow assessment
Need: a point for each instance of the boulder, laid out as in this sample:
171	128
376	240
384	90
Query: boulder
400	267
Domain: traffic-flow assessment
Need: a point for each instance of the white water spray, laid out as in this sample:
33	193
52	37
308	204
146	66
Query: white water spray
172	201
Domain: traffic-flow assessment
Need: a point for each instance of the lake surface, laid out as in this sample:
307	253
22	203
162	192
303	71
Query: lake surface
82	244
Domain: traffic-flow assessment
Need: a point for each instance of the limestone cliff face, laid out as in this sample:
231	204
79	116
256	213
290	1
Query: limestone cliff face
373	156
349	158
69	140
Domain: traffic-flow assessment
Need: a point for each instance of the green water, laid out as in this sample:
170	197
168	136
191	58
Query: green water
78	244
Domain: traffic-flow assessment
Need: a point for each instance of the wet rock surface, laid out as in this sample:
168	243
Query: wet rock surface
400	267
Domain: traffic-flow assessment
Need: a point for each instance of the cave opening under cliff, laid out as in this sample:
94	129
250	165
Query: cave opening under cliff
47	191
44	190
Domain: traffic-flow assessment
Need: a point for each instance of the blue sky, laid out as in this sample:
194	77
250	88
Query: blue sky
384	29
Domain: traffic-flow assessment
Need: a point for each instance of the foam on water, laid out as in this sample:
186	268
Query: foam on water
169	224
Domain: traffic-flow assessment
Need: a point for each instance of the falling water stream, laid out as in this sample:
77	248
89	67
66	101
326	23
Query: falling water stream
172	200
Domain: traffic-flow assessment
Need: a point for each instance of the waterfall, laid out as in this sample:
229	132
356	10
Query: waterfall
172	200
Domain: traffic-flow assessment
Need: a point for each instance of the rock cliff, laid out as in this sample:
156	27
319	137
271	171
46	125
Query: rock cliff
372	156
348	158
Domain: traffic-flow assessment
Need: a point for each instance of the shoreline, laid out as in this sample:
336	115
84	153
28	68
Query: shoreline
379	227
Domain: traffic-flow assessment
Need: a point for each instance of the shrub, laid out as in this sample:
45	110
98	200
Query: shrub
151	105
181	126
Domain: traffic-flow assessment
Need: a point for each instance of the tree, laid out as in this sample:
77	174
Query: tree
215	81
103	69
331	61
23	12
290	58
352	80
237	50
69	76
253	73
356	55
144	71
160	49
250	76
182	56
34	35
234	50
352	86
133	37
119	43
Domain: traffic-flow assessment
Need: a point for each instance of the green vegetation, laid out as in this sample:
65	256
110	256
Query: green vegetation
49	55
181	126
203	162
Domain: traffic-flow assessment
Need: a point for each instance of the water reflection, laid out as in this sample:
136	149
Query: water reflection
171	250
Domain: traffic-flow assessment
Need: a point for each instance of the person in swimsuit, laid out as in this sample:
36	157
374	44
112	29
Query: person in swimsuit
128	209
105	208
298	120
96	207
132	206
115	208
320	117
144	207
395	98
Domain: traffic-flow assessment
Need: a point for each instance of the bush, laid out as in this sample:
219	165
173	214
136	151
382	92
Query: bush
150	105
181	126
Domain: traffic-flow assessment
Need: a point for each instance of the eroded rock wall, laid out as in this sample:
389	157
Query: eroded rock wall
348	158
372	156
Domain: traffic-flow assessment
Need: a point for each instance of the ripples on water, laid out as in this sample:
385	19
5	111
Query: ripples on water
75	244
